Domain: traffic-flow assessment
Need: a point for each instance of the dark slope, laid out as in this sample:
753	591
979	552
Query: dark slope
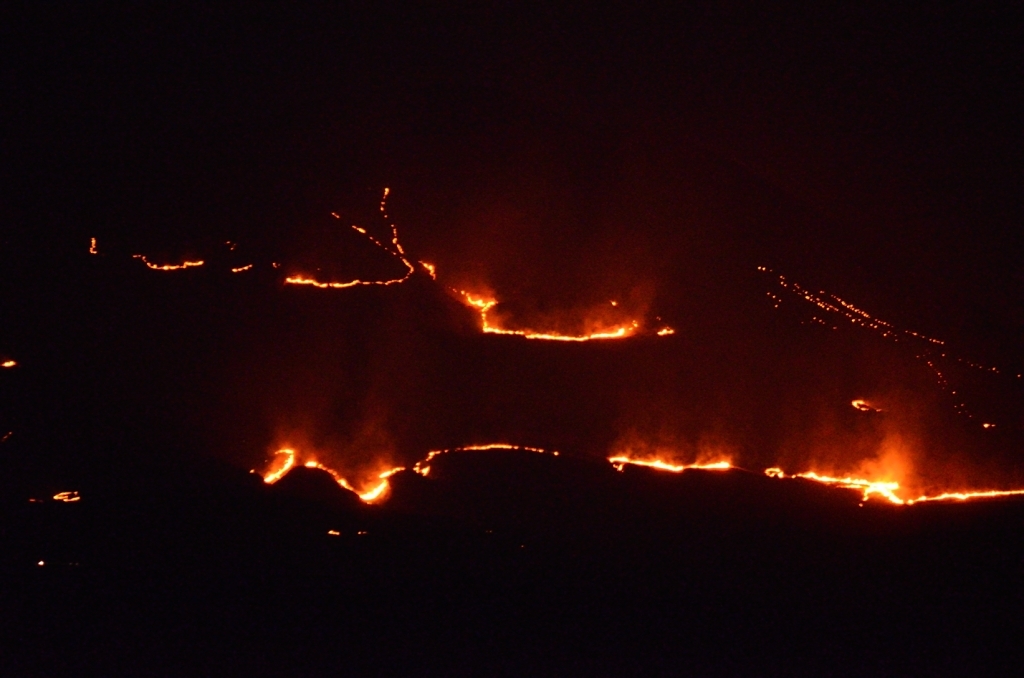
509	564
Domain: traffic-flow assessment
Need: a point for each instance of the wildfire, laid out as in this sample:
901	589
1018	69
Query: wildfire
430	269
396	250
422	467
241	268
286	459
863	406
867	487
929	350
167	267
67	497
92	246
964	496
620	462
483	306
665	331
8	363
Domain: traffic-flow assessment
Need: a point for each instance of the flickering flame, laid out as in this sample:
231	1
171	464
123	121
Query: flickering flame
620	461
423	468
665	331
863	406
430	268
92	246
930	352
241	268
866	487
398	252
8	363
67	497
284	461
964	496
483	306
167	267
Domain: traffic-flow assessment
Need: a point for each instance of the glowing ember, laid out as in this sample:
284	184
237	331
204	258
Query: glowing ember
67	497
484	305
284	461
167	267
8	363
866	487
964	496
92	246
665	331
423	469
430	268
398	252
620	461
863	406
241	268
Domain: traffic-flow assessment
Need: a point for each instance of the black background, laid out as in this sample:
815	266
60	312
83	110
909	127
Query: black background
558	157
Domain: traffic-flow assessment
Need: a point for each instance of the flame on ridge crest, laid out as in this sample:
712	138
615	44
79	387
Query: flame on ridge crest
167	267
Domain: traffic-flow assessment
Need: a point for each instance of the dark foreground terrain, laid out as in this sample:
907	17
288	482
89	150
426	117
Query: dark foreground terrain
505	564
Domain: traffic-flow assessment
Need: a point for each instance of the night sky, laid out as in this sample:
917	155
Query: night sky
673	160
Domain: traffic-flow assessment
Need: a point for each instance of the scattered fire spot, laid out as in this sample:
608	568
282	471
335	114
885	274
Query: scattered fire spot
67	497
92	246
8	363
863	406
241	268
665	331
167	267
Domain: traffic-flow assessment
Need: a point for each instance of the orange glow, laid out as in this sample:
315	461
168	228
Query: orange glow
398	252
430	268
92	246
483	305
284	461
863	406
67	497
866	487
8	363
423	469
887	490
665	331
964	496
620	461
167	267
241	268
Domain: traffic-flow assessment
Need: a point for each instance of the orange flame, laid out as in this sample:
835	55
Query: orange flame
867	487
8	363
483	306
92	246
286	459
423	468
68	497
398	252
241	268
167	267
620	461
